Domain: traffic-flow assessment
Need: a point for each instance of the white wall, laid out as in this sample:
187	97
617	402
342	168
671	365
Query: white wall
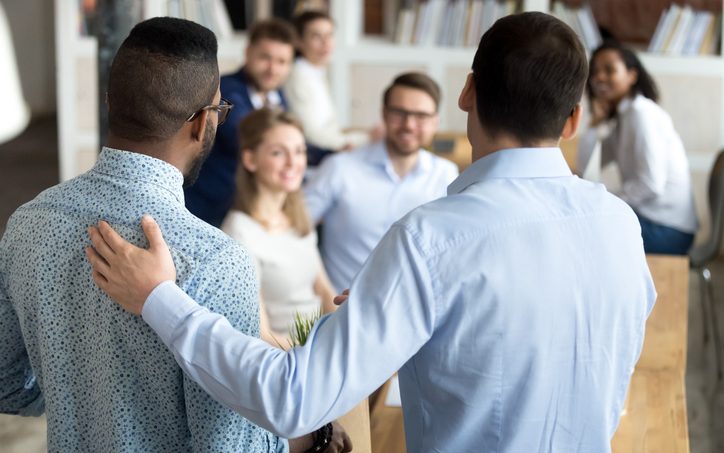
31	23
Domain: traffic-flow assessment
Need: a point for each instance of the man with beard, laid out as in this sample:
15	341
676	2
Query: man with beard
360	194
268	60
63	344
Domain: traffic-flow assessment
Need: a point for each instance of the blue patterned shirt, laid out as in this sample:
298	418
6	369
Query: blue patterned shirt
108	382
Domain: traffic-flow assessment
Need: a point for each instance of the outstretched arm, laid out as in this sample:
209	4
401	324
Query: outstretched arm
298	391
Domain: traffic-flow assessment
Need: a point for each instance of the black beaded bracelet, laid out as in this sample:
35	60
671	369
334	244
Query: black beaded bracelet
322	438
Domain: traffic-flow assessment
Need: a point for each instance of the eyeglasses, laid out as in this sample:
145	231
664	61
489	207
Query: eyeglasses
222	108
400	115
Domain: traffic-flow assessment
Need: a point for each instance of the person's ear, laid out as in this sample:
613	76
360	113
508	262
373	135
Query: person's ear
248	160
198	126
466	100
572	122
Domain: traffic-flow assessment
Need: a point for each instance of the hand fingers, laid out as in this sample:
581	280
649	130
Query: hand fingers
97	262
99	280
347	443
113	239
153	234
339	300
99	244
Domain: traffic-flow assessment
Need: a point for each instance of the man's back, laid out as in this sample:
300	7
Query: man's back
108	381
538	299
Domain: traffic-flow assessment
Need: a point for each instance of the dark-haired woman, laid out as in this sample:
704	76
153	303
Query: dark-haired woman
639	136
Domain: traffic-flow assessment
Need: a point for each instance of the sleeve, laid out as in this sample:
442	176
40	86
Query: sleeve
390	314
649	149
226	285
322	189
303	98
19	390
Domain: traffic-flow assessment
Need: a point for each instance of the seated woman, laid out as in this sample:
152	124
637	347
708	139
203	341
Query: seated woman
639	136
269	218
308	93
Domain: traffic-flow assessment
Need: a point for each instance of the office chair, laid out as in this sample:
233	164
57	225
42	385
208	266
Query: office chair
702	255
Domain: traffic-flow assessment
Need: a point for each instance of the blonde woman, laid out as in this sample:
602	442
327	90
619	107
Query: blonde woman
270	220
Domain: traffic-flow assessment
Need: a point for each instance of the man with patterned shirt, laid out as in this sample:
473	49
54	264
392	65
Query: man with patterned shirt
80	360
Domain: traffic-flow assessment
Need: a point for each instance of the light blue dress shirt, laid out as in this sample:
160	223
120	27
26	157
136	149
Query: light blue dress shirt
359	196
108	381
514	308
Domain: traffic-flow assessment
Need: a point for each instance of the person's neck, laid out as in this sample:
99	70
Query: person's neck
268	208
160	150
484	145
402	163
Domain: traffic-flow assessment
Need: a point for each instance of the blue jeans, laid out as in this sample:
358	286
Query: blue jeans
664	240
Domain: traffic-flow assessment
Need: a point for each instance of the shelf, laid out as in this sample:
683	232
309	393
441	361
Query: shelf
706	65
384	51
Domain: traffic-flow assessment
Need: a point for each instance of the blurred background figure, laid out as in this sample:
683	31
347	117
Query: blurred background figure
269	218
309	92
359	195
15	115
639	136
268	59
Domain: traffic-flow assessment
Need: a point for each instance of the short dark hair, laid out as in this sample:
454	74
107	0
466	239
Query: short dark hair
418	81
644	85
274	29
529	71
165	70
302	20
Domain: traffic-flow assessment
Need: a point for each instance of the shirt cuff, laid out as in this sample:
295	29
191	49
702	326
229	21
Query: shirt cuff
166	308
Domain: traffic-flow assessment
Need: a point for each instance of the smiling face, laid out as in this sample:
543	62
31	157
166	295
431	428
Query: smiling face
279	162
268	63
610	79
317	41
411	120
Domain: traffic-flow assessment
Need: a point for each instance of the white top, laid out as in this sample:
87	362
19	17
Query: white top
286	266
514	309
359	196
308	96
649	153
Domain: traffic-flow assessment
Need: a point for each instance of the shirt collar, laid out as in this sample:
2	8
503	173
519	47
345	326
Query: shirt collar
513	163
257	99
140	167
378	155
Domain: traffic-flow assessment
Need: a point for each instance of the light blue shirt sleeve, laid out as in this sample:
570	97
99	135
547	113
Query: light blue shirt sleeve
347	355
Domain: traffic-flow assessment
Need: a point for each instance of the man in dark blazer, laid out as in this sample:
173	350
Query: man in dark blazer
268	59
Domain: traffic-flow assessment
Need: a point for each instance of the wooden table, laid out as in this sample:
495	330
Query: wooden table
655	418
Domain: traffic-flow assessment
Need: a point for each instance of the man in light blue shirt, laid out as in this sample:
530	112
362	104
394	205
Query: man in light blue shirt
360	194
107	381
515	306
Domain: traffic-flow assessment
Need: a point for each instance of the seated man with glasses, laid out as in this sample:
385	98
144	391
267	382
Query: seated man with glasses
106	380
360	194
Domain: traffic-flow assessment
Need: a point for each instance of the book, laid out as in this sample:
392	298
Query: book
670	31
683	27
